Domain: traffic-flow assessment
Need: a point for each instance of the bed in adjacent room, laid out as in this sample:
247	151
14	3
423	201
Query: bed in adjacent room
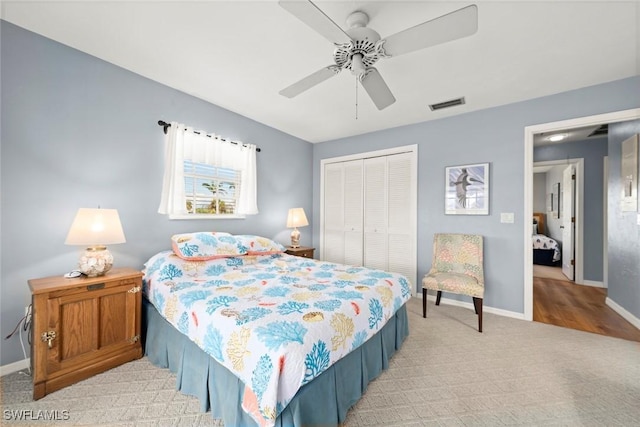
546	251
265	338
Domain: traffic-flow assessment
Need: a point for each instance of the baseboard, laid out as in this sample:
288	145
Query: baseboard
622	312
15	367
485	308
593	283
506	313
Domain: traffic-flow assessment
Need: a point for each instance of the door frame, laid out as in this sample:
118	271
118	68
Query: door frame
605	222
529	132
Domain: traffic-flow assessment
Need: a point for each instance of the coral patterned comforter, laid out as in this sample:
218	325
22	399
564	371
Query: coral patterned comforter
276	321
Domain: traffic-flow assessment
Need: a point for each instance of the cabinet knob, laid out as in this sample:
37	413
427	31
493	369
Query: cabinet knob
48	337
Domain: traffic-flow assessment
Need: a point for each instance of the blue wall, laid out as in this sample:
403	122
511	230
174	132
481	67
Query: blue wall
624	228
593	153
540	192
80	132
493	135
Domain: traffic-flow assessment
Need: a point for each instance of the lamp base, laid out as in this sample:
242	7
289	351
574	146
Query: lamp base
295	238
95	261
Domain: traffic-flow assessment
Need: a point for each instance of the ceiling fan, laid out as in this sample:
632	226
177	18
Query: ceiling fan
359	48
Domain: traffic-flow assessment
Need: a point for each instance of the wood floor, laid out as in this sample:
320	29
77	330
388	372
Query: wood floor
564	303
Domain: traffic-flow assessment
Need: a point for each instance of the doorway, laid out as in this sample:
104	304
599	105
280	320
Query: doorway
565	303
530	132
562	205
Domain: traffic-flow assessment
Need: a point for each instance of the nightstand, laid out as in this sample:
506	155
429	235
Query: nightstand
302	251
83	326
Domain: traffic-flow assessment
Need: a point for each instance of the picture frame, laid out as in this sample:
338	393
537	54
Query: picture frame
467	189
629	174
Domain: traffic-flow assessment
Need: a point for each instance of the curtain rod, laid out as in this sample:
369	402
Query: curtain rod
166	126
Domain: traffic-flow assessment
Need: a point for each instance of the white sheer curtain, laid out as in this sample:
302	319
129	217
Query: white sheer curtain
172	200
181	143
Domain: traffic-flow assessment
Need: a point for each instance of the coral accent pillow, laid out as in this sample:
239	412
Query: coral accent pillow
257	245
203	246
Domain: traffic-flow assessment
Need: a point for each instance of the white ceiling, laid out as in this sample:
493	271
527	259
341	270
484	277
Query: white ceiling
239	54
570	135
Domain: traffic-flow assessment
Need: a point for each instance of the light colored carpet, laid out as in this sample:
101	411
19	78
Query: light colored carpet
446	374
548	272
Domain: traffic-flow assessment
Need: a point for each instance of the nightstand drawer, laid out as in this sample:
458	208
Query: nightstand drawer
302	251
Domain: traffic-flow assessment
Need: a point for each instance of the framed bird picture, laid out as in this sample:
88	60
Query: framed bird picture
467	189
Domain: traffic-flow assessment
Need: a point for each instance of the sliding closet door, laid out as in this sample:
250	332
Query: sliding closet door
375	213
333	212
389	212
343	212
401	214
353	213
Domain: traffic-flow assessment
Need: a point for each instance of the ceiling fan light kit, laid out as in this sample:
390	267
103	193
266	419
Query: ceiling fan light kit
359	47
557	137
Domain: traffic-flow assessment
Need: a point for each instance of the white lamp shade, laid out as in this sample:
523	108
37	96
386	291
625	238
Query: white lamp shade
93	227
296	218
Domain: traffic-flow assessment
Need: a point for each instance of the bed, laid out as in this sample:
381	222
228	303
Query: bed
546	250
265	338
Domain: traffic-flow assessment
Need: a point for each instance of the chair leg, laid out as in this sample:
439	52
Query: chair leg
477	303
424	303
438	297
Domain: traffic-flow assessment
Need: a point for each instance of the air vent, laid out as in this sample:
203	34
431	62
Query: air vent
447	104
600	131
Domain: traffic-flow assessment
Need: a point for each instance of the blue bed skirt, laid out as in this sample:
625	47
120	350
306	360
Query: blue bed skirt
544	257
323	401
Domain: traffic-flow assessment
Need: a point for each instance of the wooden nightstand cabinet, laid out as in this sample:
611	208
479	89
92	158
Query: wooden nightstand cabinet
303	251
83	326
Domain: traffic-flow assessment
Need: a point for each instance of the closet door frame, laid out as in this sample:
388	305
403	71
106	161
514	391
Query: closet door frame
413	149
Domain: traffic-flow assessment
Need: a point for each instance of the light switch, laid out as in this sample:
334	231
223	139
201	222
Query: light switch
506	217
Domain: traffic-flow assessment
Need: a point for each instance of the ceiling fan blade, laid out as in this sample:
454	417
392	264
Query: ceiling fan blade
310	81
377	89
452	26
311	15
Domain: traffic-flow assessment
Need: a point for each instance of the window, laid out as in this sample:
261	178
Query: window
210	189
207	177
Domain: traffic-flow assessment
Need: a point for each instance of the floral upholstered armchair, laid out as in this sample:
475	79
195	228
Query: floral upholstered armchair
457	268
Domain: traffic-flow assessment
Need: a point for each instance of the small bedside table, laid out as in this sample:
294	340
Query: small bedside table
83	326
302	251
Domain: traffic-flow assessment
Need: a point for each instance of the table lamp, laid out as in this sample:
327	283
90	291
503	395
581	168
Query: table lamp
95	228
296	218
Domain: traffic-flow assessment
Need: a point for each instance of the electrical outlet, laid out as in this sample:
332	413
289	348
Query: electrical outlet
27	313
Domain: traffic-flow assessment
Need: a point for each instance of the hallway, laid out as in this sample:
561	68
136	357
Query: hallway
563	303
